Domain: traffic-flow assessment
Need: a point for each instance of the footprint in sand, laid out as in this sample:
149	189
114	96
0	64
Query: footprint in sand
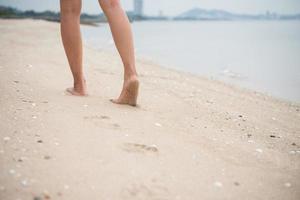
102	120
96	117
102	71
139	148
145	191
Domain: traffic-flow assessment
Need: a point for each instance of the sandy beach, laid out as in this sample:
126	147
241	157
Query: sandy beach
190	138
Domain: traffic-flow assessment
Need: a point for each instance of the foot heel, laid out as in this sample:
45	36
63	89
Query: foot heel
133	92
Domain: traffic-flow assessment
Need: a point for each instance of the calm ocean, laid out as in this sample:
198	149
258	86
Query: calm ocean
259	55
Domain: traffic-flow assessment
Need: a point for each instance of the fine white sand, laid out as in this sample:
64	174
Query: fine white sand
190	138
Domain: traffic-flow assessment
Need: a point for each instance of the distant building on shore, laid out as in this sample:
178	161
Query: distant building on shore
138	7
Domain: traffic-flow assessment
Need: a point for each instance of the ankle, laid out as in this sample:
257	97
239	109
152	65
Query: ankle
79	83
130	71
129	78
130	75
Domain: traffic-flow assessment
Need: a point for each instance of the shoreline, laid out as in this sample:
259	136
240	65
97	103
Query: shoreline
235	68
190	137
149	61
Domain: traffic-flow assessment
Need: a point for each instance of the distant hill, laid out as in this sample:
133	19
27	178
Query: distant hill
12	13
203	14
193	14
8	12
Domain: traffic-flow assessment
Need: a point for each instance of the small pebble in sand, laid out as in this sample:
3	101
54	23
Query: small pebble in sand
29	66
33	104
37	198
104	117
152	148
158	125
236	183
47	157
34	117
6	139
115	125
12	171
292	152
24	182
294	144
287	185
40	141
218	184
259	150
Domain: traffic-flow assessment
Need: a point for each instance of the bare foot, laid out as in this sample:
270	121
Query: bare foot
129	92
77	90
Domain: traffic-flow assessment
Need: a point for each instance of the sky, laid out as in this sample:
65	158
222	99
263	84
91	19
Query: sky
171	7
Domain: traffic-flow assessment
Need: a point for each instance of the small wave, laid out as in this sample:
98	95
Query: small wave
228	73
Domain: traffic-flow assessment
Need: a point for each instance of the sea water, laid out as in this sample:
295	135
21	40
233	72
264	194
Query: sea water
259	55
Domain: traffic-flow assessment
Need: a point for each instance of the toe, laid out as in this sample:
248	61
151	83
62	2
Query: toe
116	101
71	91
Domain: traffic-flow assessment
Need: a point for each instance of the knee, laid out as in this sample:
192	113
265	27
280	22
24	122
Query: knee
70	8
109	4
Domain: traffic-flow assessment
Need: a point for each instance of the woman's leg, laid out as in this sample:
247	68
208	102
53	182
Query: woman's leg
122	34
71	37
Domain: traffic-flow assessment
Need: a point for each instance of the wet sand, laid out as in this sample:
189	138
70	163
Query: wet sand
190	137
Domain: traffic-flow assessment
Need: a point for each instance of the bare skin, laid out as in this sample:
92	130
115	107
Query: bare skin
71	36
122	34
